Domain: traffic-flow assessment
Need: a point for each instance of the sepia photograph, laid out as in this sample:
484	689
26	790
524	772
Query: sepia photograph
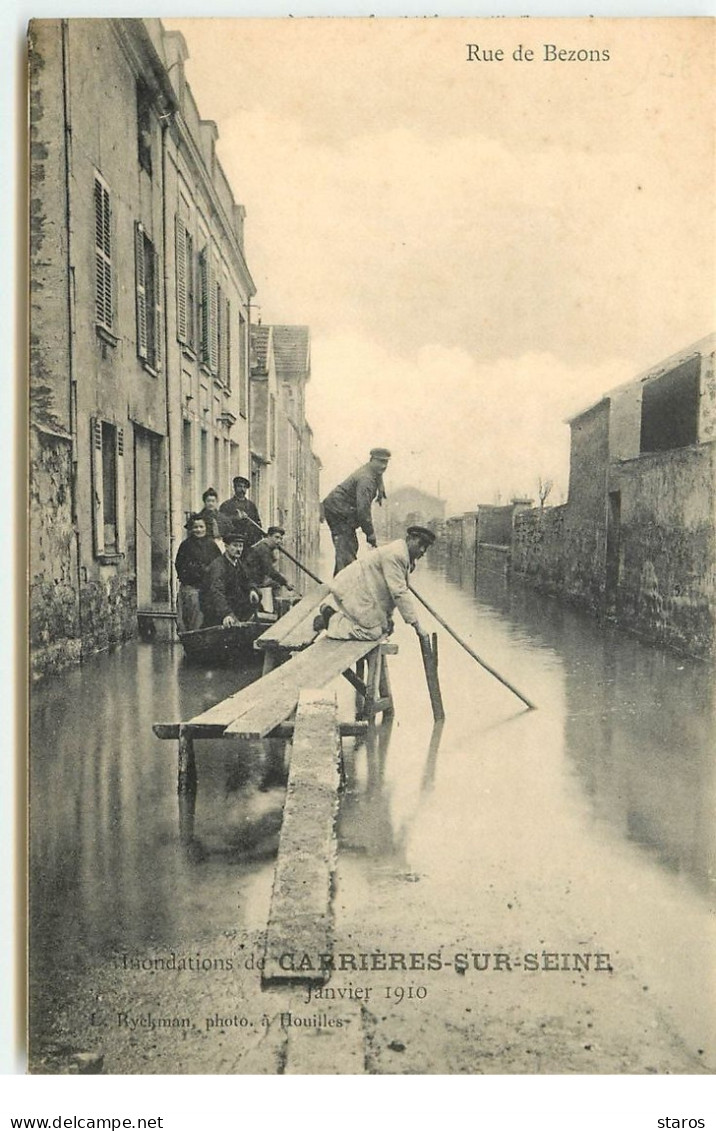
371	463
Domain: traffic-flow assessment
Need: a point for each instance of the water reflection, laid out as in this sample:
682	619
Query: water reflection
639	725
367	821
108	861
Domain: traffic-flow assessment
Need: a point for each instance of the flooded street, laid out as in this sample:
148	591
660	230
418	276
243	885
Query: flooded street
516	891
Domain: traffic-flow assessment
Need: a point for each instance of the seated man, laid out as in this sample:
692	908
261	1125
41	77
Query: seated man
228	596
193	559
261	561
365	593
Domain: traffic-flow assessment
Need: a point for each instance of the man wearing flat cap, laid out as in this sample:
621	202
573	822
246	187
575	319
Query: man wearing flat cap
243	512
365	593
262	561
349	507
228	595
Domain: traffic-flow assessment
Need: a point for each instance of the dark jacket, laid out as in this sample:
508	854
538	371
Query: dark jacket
226	590
217	524
261	564
194	557
240	511
351	501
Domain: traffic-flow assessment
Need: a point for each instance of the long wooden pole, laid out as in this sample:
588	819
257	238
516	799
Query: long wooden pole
288	555
469	650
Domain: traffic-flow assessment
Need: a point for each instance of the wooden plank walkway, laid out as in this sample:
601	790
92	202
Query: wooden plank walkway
300	919
257	709
294	630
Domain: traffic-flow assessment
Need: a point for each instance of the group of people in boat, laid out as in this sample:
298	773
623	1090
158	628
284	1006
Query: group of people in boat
225	561
223	588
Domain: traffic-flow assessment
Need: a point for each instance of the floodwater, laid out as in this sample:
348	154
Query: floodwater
585	826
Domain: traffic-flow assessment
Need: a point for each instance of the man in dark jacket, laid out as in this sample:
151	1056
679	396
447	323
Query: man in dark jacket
349	506
261	561
228	595
242	512
193	559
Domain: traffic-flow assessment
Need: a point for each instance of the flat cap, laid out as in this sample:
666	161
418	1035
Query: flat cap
241	481
233	536
380	453
421	532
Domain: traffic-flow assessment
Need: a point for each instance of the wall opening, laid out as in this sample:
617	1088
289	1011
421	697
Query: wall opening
669	409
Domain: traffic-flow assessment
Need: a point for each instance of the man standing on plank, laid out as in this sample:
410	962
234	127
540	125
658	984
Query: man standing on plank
365	593
349	507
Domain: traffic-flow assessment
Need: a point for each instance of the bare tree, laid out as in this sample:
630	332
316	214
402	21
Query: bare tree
544	488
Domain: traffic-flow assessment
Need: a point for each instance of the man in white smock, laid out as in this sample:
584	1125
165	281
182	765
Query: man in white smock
365	593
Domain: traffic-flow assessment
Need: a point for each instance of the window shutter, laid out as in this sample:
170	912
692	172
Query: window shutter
103	256
97	485
227	332
204	306
121	515
141	290
158	325
180	234
213	320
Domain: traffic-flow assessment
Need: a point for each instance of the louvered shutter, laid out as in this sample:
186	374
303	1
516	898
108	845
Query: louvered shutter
97	486
213	320
227	331
180	240
121	500
140	285
158	326
103	256
204	306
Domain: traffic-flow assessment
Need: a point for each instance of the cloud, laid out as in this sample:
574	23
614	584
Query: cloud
475	429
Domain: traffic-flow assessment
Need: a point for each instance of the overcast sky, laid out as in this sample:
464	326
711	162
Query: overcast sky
480	249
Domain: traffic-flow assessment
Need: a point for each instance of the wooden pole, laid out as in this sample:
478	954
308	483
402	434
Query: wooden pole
290	557
431	675
470	652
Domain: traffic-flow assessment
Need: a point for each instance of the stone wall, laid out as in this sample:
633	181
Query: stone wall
538	548
54	614
667	581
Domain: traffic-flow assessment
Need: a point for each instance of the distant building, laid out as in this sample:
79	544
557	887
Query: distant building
284	467
264	407
297	491
406	506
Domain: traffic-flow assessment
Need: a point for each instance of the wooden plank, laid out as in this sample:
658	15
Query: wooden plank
300	611
300	917
259	711
354	729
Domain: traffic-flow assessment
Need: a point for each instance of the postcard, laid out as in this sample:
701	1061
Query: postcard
372	412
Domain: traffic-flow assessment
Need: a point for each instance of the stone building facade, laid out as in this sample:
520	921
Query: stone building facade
140	316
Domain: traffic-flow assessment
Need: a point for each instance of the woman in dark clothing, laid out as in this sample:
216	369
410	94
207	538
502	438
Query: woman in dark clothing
194	557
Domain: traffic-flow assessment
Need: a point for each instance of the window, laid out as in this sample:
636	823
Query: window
108	488
208	313
243	369
103	256
669	409
148	299
185	270
272	426
144	128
